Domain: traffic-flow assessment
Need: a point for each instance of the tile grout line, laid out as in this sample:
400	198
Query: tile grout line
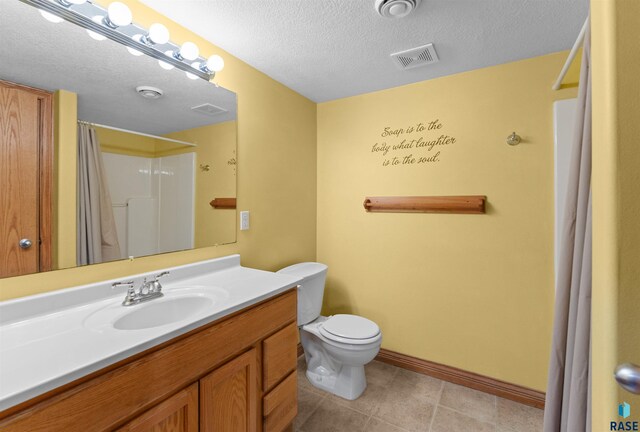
435	408
374	409
367	422
495	407
390	424
467	415
313	411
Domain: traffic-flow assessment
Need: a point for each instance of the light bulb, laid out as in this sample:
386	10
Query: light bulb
119	15
158	34
215	63
51	17
189	51
165	65
97	36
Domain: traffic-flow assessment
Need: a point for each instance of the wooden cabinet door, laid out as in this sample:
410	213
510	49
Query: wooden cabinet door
228	396
179	413
25	181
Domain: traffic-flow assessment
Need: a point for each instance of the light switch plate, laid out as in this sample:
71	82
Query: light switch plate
244	220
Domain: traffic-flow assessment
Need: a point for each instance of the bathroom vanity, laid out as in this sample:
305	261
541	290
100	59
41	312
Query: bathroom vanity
230	367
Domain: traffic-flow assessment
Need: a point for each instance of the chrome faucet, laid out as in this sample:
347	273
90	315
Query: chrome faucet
149	290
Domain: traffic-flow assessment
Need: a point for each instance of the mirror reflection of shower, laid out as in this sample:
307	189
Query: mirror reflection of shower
151	184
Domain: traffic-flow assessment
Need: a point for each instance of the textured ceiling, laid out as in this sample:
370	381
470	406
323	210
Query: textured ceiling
329	49
49	56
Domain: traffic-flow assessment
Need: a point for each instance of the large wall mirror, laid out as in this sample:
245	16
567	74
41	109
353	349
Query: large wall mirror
141	160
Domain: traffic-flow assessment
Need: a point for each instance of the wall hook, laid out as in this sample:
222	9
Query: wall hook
513	139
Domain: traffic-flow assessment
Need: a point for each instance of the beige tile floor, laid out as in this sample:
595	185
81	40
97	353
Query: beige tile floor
397	400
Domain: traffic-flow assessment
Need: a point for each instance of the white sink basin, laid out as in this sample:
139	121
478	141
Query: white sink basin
183	304
154	314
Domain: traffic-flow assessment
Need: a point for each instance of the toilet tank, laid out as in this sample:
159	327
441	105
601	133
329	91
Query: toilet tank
311	289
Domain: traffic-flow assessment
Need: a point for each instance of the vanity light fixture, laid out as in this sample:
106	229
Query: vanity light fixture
158	34
189	74
118	15
134	51
188	51
67	3
163	64
97	19
116	23
214	64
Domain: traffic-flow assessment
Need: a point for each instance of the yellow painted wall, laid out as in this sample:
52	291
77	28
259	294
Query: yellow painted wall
118	142
572	78
615	188
216	148
470	291
65	109
276	178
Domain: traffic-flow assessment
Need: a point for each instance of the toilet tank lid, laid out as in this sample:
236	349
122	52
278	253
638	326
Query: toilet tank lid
304	269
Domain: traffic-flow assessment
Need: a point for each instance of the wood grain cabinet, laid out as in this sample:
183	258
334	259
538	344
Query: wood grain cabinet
236	374
179	413
228	396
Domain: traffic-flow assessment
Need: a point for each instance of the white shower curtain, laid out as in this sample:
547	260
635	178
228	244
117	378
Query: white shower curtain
97	239
567	406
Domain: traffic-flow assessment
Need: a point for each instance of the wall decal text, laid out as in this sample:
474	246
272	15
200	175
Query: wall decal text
422	143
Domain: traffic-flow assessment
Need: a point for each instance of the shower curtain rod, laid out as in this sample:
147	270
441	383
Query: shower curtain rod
138	133
572	55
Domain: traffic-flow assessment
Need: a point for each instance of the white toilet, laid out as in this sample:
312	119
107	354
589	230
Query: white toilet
337	347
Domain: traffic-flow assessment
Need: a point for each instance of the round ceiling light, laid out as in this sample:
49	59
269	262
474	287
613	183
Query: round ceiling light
149	92
396	8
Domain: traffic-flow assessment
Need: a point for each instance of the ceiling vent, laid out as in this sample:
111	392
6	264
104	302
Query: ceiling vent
149	92
396	8
415	57
208	109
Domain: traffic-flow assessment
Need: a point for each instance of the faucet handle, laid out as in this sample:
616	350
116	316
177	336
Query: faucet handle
122	284
163	274
156	286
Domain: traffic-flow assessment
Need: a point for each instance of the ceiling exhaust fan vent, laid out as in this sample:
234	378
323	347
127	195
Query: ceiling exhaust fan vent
396	8
208	109
149	92
416	57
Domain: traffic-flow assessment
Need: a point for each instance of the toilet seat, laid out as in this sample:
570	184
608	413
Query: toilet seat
350	329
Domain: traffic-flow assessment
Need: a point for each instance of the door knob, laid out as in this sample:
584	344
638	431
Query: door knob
628	376
25	243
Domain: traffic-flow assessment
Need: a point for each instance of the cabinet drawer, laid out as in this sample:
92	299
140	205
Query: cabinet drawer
280	351
280	406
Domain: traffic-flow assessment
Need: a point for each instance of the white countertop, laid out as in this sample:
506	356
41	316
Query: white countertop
46	340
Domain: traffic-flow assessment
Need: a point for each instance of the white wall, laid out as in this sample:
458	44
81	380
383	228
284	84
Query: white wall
127	177
153	202
176	204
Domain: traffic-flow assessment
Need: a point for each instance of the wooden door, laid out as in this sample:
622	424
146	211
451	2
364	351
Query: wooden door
228	396
179	413
25	179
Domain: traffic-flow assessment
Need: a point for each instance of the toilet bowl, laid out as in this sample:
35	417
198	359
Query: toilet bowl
336	348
